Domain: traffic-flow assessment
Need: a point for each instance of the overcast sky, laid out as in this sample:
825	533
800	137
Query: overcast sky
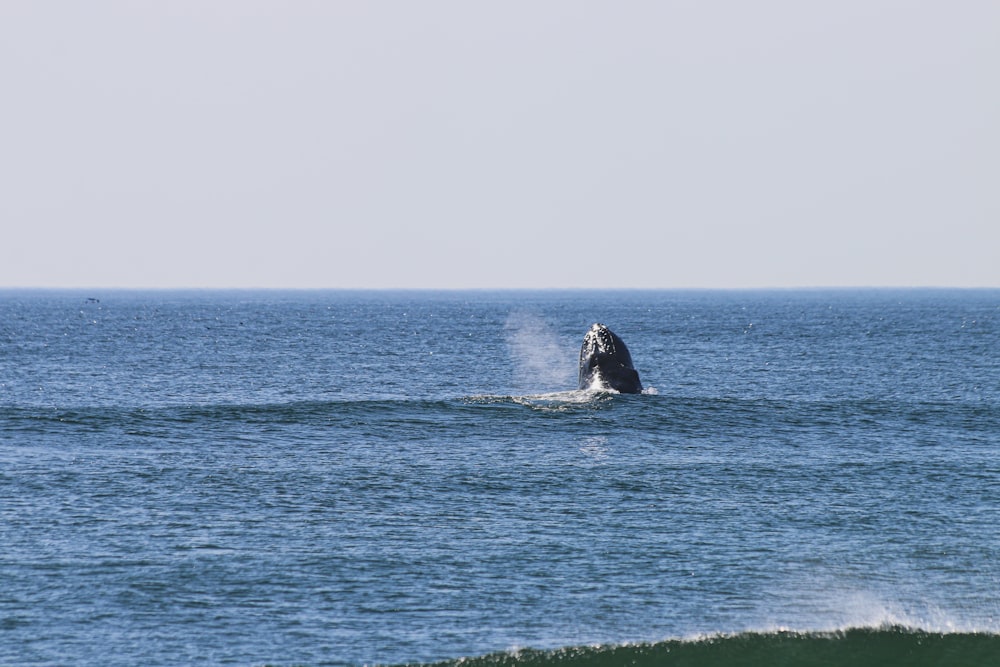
467	144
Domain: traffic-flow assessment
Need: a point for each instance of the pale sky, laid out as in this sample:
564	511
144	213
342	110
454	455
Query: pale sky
523	144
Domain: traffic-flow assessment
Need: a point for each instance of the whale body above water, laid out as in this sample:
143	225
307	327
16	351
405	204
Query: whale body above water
605	362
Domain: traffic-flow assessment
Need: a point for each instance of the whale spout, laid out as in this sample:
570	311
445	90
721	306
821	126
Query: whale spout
605	362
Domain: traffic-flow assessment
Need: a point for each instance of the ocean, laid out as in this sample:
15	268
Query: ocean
811	477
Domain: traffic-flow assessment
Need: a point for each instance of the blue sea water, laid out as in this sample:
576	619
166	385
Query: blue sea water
348	478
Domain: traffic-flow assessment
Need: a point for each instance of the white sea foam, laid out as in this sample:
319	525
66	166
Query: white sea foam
558	400
567	398
829	604
597	385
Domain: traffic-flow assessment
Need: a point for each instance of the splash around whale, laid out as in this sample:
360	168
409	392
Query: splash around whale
605	362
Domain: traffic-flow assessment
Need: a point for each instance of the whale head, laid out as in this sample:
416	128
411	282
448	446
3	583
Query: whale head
605	362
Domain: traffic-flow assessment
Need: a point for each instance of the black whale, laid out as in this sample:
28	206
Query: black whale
605	362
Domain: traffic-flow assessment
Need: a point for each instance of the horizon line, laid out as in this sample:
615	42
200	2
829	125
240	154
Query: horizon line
194	288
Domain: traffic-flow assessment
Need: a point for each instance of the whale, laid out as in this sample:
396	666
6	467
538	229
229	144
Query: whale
605	362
